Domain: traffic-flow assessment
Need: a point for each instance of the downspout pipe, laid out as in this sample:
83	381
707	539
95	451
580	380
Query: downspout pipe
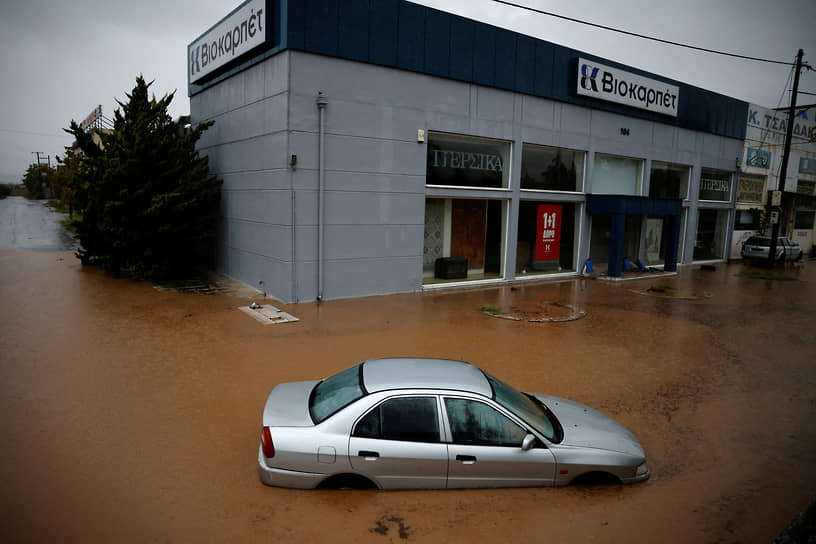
322	102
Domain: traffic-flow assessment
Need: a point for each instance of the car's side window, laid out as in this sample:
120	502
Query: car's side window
411	419
474	422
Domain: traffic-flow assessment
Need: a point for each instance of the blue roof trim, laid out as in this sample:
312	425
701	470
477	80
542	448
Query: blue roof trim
407	36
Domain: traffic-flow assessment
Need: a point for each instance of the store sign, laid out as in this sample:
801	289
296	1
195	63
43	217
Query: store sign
758	158
751	188
459	161
443	158
805	187
807	166
715	189
613	85
773	122
240	32
92	118
548	233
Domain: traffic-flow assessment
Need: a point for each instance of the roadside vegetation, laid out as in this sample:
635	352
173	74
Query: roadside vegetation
141	201
5	190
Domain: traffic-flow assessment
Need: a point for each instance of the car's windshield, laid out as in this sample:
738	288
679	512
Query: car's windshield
335	393
528	408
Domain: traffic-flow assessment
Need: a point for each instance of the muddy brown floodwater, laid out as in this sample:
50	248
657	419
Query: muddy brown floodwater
133	415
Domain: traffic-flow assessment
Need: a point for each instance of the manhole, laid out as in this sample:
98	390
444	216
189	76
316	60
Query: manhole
267	314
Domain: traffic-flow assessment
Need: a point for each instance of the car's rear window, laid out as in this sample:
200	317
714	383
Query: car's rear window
759	241
335	393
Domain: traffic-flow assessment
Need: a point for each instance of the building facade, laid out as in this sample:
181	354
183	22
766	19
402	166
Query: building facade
760	170
378	146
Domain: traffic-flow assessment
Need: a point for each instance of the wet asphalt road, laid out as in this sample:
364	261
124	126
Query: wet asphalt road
28	224
133	415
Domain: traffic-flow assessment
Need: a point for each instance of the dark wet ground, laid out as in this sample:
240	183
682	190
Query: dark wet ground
133	415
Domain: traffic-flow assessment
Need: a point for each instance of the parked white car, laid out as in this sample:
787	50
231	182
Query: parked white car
758	247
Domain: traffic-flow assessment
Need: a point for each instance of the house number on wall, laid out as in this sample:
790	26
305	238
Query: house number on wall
624	132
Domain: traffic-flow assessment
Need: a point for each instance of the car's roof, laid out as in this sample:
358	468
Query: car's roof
413	373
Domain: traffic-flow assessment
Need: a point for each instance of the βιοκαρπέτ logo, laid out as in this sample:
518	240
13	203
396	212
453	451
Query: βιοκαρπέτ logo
588	75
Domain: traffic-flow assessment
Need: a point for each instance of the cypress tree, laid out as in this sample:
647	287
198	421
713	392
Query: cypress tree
148	207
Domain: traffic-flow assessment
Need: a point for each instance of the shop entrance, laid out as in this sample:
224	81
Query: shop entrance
601	236
616	228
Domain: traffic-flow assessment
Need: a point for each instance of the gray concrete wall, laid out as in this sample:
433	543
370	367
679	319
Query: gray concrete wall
375	168
247	148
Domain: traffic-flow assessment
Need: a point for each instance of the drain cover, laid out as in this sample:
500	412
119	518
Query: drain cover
268	315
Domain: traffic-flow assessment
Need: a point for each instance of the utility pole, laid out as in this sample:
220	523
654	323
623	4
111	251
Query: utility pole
39	169
783	171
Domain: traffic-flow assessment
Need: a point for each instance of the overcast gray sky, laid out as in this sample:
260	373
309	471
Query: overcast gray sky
63	58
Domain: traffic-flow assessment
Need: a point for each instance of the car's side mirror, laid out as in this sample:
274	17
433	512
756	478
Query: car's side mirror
528	442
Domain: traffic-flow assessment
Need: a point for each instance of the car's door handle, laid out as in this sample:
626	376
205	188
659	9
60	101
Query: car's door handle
466	459
369	455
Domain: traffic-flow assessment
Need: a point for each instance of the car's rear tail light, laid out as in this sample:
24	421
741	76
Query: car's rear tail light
266	443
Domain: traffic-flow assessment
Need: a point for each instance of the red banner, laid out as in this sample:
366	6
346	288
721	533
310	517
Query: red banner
548	232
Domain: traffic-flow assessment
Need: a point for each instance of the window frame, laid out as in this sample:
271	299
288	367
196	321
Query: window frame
731	184
674	166
581	182
496	407
441	435
506	173
641	162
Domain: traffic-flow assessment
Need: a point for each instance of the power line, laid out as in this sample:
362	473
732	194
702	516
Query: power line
53	135
645	37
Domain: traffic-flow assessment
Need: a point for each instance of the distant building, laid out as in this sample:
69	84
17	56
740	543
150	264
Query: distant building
760	169
384	147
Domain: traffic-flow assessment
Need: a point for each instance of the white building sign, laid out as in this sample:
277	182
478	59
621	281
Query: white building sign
772	124
241	31
613	85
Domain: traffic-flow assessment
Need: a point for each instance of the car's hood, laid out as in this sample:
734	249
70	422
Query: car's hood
587	427
288	405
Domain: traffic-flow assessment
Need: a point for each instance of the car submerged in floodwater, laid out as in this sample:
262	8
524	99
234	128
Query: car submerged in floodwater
406	423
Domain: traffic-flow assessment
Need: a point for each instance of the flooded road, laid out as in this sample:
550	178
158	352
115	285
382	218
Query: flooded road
132	414
29	224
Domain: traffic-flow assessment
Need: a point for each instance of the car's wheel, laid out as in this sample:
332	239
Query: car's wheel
595	478
799	257
347	481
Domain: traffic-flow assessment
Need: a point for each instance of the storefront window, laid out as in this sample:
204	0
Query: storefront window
616	175
747	219
464	161
804	220
551	168
715	185
668	180
463	239
712	227
547	234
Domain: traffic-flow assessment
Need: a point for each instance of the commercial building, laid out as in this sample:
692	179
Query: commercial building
379	146
759	175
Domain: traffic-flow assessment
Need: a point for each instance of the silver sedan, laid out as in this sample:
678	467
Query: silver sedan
432	423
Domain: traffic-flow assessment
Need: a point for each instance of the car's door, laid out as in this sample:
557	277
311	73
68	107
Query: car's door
485	449
398	443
